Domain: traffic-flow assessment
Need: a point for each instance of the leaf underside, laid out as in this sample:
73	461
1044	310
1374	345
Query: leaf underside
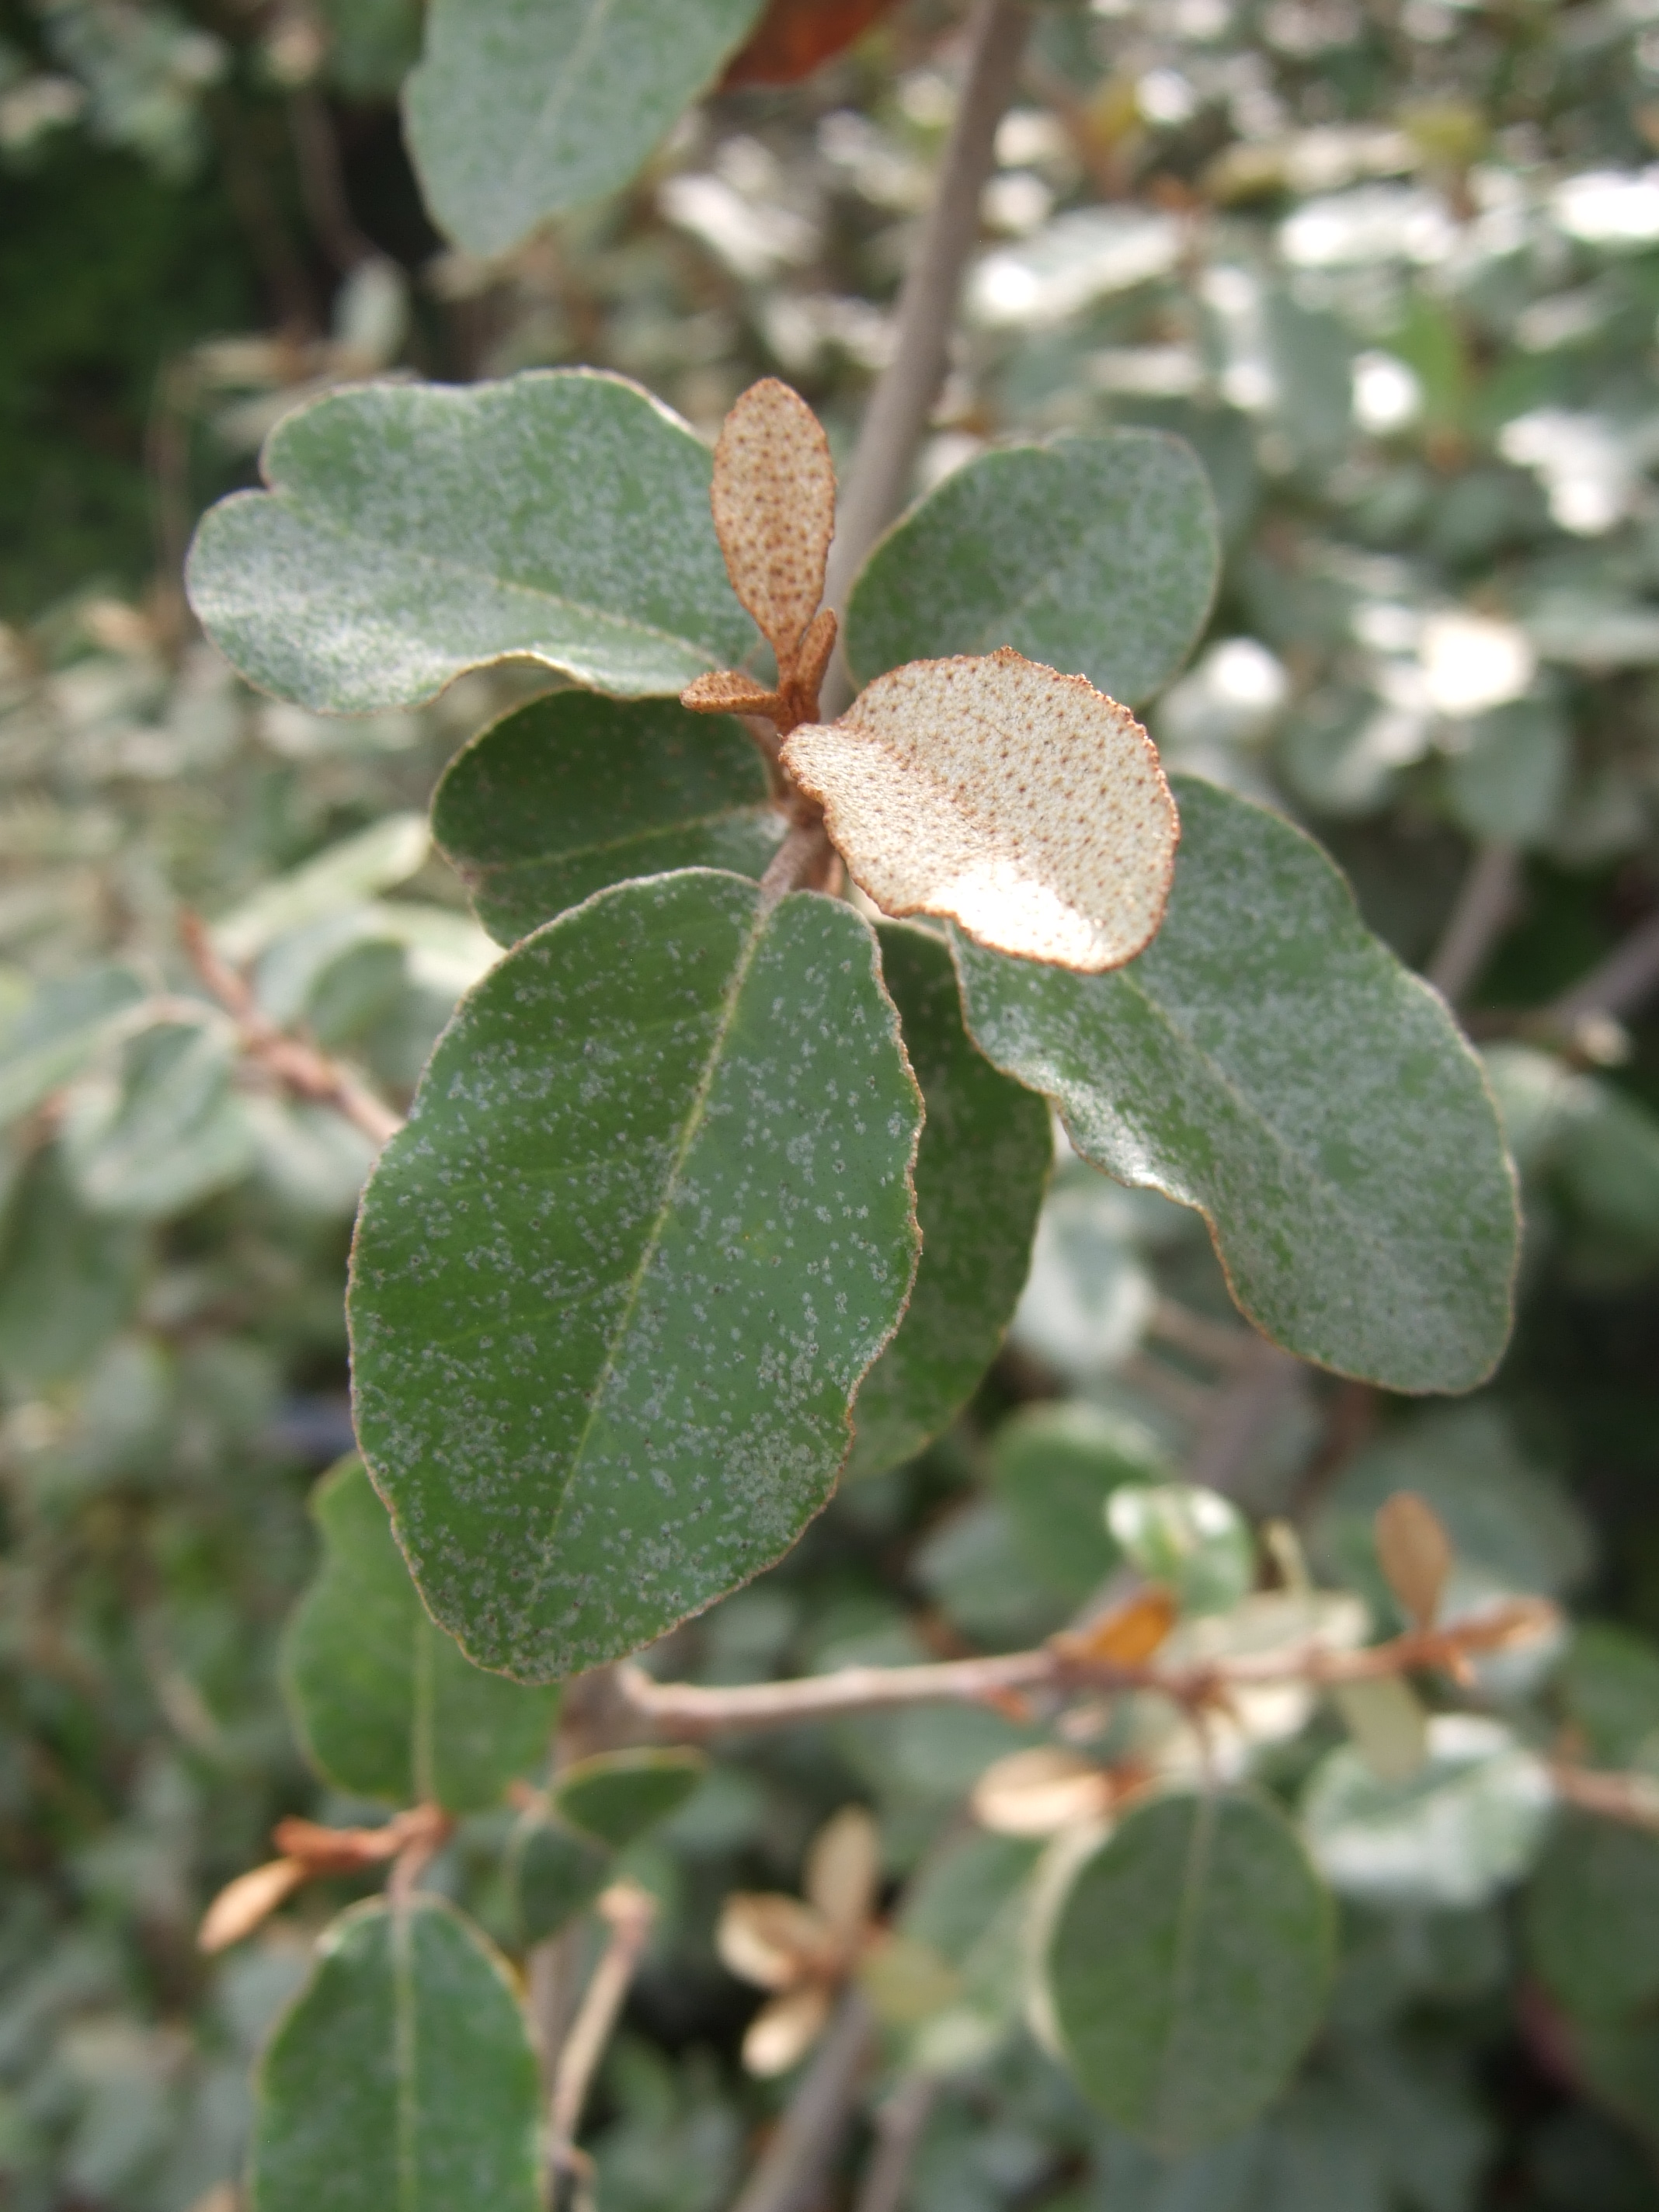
1267	1061
1188	1966
575	792
411	532
615	1284
982	1169
402	2077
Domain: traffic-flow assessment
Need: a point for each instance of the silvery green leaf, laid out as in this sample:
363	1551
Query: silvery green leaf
615	1284
1267	1061
58	1030
1467	1824
562	515
521	108
1097	556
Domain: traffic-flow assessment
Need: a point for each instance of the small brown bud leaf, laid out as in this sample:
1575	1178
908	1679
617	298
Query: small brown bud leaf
1414	1553
774	498
794	37
727	691
241	1905
1023	805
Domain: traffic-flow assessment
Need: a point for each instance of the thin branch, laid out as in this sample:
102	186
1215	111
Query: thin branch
300	1068
803	862
322	180
1068	1663
790	2175
553	1979
1486	905
629	1910
1632	1798
1618	985
900	2125
904	394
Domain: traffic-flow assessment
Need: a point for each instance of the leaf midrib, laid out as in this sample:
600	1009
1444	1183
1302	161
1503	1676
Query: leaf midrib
1248	1107
759	923
1207	1816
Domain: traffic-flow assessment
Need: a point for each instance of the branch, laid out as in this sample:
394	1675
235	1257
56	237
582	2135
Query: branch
1618	985
1483	908
1068	1662
900	2125
300	1068
790	2175
1632	1798
630	1910
904	394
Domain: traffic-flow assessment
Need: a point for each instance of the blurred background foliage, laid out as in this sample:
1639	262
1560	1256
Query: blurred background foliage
1393	268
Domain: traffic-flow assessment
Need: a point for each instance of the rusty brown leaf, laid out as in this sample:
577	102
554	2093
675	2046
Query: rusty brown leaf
1414	1553
1023	804
795	37
774	498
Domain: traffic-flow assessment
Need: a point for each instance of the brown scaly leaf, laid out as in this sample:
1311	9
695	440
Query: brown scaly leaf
728	691
774	498
241	1905
1414	1552
1023	804
795	37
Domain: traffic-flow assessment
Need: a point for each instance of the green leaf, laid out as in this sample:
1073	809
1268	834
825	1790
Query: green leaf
1467	1824
1267	1061
1507	781
58	1032
169	1134
386	1703
402	2076
552	1875
1610	1684
1618	2063
615	1284
981	1171
67	1278
1054	1468
1187	1967
575	792
411	532
1097	556
1191	1538
617	1795
520	108
1592	1917
388	852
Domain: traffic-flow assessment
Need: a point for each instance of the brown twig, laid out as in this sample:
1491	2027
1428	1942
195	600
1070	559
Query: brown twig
629	1911
903	397
322	180
900	2125
299	1067
1066	1664
789	2176
1485	906
1632	1798
1618	986
804	861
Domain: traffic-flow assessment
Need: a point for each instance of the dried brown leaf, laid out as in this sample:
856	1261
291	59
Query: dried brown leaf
1023	805
1130	1633
1414	1553
774	498
795	37
1041	1791
241	1905
781	2031
771	1940
843	1867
